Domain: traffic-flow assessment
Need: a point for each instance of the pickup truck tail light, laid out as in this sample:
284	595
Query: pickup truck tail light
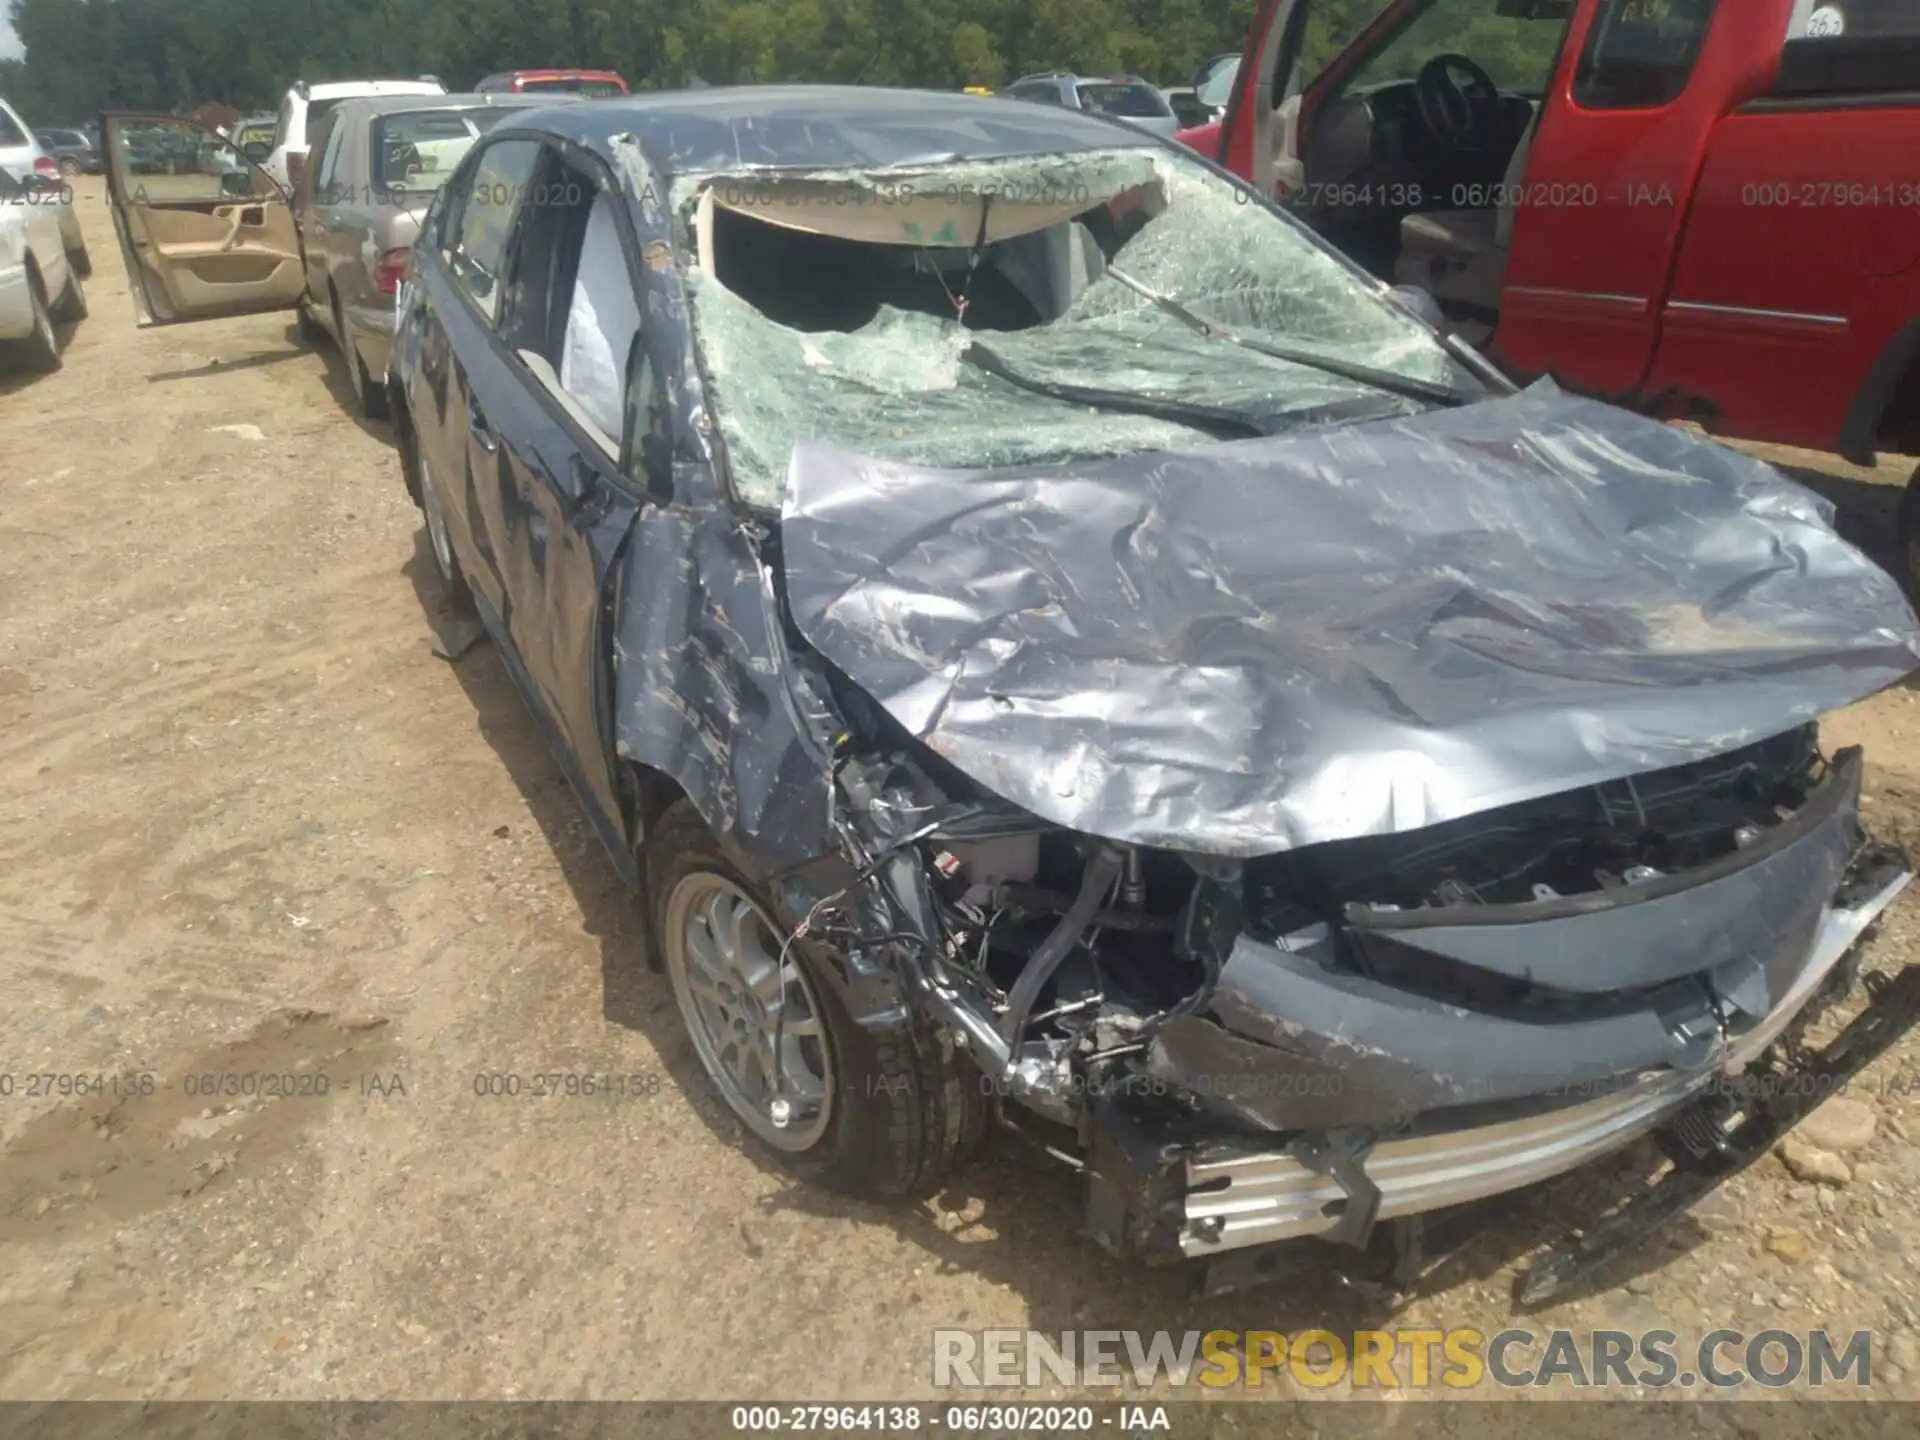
391	270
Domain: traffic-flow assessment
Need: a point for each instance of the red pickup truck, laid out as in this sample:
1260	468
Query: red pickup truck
1702	210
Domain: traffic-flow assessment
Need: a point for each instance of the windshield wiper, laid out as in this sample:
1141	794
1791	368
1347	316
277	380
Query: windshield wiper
1386	380
1217	420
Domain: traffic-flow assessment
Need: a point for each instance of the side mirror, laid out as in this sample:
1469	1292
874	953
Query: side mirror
236	184
257	152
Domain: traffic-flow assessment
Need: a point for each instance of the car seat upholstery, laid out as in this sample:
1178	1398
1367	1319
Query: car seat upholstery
1460	256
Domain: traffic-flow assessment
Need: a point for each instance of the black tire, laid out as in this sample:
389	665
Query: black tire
309	330
40	351
81	262
370	393
73	305
69	168
368	398
457	594
907	1109
1910	537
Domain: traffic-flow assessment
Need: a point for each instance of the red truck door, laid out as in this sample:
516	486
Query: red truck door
1582	238
1620	147
1794	313
1294	49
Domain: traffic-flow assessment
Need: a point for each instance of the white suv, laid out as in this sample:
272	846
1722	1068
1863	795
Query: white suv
38	284
306	105
23	159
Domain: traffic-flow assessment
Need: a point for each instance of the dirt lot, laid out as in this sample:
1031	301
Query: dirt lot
250	823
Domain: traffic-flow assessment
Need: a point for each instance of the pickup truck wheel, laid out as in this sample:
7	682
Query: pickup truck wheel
80	262
884	1115
40	350
453	580
69	168
308	330
1910	537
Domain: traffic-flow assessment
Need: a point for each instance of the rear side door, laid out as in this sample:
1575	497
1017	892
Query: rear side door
450	328
202	232
546	407
314	203
1803	338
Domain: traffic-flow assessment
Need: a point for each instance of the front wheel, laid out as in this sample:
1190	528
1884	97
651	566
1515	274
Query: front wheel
453	580
40	350
884	1115
369	398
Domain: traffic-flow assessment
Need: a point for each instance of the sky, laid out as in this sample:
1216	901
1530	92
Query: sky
9	42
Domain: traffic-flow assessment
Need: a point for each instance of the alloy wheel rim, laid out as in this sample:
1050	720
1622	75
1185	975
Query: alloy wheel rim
752	1015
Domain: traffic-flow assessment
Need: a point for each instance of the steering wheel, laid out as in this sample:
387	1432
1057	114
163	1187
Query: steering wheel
1459	113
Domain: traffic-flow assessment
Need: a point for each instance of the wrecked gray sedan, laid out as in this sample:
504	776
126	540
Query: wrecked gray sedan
1052	641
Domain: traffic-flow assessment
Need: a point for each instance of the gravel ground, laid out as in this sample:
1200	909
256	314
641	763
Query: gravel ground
251	823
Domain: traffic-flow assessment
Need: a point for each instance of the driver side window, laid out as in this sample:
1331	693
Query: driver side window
1516	51
1640	53
324	177
475	234
168	161
1333	25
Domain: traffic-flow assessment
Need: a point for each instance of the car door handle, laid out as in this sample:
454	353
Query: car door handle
477	422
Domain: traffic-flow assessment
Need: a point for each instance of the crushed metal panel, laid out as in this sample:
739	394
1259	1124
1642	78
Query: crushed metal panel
1247	647
703	687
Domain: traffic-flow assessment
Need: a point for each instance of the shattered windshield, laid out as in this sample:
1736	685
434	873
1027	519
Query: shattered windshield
936	316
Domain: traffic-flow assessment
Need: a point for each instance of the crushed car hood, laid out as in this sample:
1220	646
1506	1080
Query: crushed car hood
1243	648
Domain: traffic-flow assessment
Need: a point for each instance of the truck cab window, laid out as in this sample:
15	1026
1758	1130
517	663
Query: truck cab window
1640	53
1516	51
1853	19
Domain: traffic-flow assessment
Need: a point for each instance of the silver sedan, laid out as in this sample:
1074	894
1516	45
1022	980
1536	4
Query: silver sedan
379	161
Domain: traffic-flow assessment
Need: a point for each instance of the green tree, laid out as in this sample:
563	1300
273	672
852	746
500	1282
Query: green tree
88	55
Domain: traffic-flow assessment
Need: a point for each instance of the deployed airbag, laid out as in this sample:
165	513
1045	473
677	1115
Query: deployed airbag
1242	648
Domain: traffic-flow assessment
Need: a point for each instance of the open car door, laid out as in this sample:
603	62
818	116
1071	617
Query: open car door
1295	49
203	232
